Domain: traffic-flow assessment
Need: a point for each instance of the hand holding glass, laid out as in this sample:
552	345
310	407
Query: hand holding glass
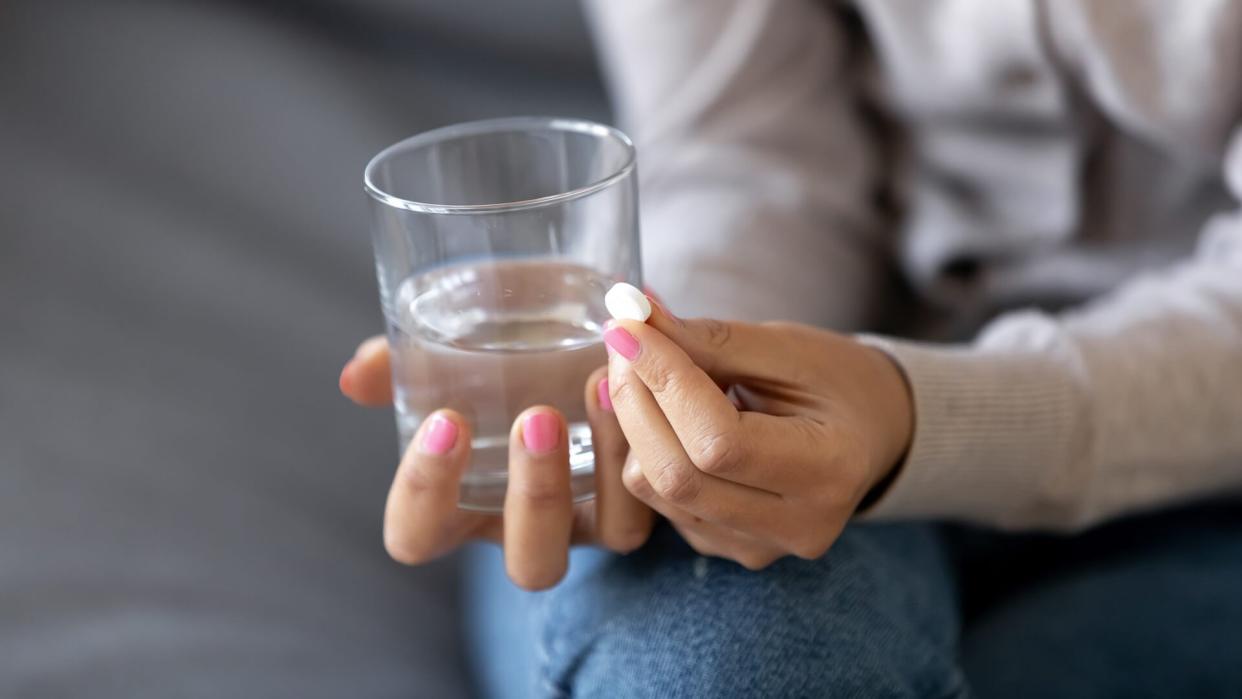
495	243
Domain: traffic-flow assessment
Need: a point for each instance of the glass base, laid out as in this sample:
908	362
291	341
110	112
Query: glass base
486	492
483	486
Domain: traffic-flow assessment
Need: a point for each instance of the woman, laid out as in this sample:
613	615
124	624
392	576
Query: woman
1047	194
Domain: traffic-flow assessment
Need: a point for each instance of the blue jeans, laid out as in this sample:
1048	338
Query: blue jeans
1150	606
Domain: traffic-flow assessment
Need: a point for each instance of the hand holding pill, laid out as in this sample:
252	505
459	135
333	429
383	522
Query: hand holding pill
826	420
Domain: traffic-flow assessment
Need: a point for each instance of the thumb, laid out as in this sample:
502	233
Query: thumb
366	378
729	351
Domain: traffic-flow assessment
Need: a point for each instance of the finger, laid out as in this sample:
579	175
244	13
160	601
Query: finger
705	537
734	352
366	379
686	394
538	503
753	449
583	533
421	519
668	468
622	523
749	556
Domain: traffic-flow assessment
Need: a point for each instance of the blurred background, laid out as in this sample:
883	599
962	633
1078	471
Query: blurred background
187	505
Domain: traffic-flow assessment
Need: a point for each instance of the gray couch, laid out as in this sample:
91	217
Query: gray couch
187	506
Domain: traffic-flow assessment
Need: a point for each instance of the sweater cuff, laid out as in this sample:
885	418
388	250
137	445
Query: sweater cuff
992	430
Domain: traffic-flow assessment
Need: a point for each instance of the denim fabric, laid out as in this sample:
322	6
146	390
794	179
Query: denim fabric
876	617
1146	607
505	655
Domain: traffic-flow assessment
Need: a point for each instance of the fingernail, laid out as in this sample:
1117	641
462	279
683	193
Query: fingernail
347	377
609	325
622	342
540	433
440	435
605	400
660	307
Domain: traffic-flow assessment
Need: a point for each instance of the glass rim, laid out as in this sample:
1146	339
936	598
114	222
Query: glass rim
495	125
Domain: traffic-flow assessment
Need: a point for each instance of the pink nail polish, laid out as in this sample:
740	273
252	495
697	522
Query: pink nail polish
605	400
440	436
540	433
622	342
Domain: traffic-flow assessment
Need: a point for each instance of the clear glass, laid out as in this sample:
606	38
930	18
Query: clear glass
495	242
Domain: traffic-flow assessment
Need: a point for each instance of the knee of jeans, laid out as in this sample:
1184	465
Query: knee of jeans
692	626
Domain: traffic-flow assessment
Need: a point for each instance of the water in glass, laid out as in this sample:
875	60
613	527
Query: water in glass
491	339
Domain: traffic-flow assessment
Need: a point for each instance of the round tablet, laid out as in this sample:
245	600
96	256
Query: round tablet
625	302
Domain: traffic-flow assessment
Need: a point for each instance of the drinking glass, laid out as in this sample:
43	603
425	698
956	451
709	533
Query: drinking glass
495	242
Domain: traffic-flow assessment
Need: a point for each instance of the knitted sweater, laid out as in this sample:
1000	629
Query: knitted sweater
1040	197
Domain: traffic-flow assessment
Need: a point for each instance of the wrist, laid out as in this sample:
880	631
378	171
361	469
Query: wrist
892	419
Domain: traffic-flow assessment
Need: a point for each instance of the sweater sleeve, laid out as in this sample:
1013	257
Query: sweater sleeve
754	163
1061	421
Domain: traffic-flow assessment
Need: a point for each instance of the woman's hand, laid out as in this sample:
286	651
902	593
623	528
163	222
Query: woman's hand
540	521
823	420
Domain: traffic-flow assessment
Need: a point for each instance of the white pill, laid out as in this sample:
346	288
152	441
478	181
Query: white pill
625	302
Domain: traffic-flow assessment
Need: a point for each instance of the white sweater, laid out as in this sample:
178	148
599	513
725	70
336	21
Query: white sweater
1046	191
